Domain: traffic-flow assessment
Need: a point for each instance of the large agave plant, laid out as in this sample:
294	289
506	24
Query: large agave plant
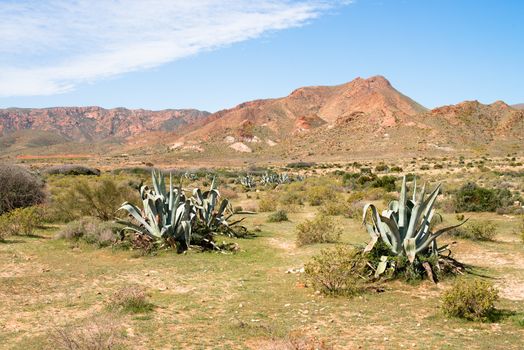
405	226
212	215
166	213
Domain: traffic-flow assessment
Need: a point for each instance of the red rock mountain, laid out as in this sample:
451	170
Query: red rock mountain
366	117
95	123
310	107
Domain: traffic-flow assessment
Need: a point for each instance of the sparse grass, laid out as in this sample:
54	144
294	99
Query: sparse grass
97	333
131	299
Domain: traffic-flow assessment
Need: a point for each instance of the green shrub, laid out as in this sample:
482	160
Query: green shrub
337	271
90	230
424	167
278	216
267	203
396	169
81	198
472	197
131	299
335	207
319	194
476	231
300	165
21	221
19	188
322	229
470	299
381	168
71	169
385	182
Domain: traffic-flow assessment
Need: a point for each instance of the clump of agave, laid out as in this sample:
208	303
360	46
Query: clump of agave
166	213
213	219
270	178
406	229
248	181
168	216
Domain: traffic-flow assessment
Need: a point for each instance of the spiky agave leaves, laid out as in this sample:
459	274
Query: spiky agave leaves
214	216
166	213
248	182
405	227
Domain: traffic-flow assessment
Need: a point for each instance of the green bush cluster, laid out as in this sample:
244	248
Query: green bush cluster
71	170
21	221
369	179
322	229
472	197
74	198
471	299
278	216
337	271
477	231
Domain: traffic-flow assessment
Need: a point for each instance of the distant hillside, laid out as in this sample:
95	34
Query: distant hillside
518	106
362	118
83	124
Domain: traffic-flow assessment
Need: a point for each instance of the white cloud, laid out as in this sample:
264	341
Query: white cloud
48	47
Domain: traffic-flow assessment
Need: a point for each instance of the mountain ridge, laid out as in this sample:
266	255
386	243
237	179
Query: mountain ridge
358	117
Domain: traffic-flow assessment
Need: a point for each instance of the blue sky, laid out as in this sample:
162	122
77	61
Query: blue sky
212	54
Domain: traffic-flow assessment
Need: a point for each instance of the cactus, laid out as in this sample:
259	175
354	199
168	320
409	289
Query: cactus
405	227
166	213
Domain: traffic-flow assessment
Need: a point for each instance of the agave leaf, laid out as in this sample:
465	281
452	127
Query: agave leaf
410	248
381	267
434	236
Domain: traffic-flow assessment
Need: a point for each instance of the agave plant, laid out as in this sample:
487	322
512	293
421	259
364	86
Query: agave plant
166	213
275	179
248	181
213	217
405	227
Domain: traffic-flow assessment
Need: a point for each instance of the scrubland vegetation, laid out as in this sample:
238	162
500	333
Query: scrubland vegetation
305	256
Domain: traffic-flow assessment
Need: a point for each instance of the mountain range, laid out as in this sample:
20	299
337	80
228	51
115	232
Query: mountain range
365	117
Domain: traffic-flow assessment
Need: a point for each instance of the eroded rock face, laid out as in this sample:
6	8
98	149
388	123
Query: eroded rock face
241	147
95	123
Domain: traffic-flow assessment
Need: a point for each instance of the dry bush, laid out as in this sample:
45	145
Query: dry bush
335	206
99	333
322	229
226	192
131	299
19	188
470	299
21	221
268	202
337	271
90	230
